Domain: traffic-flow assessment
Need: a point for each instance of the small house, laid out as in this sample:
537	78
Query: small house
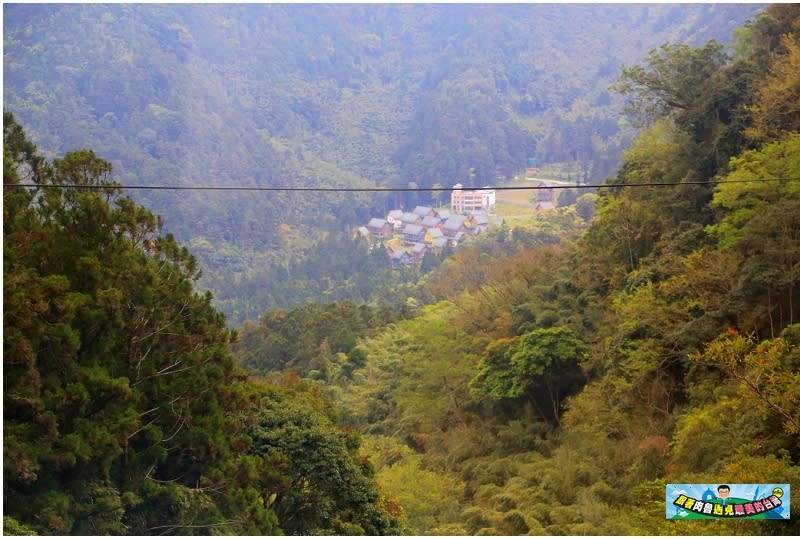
424	211
480	222
380	228
413	234
409	218
400	258
433	234
394	218
439	244
431	222
545	192
454	225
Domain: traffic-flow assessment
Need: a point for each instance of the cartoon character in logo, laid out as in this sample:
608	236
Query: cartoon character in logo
724	498
723	491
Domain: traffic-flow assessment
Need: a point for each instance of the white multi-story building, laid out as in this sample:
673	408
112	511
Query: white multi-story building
469	200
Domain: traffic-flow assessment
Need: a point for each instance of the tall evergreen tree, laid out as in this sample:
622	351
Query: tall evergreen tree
122	409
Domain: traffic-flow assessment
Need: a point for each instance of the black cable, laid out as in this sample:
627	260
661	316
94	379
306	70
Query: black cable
392	189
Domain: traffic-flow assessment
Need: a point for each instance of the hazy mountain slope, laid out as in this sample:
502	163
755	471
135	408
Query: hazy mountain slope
278	95
557	389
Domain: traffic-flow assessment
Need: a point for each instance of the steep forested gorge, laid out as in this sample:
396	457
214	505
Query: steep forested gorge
324	96
555	388
542	380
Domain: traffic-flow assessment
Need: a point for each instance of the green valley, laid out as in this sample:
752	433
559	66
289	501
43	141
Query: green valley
286	96
550	375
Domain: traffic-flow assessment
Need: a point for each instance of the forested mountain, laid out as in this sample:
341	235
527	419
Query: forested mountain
546	378
324	96
556	388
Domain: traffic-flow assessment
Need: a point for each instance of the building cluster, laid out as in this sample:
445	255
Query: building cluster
408	236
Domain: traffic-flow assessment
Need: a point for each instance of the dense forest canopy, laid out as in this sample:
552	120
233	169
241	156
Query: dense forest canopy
555	388
549	378
325	96
123	410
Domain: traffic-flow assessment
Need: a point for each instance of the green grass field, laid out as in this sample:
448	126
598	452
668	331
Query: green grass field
516	207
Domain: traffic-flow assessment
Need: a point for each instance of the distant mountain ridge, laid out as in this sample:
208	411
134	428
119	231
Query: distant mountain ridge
327	96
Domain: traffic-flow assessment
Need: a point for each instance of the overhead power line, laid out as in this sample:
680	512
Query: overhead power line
392	189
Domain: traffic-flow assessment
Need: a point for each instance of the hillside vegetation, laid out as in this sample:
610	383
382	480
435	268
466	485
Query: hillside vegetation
555	388
548	379
123	410
324	96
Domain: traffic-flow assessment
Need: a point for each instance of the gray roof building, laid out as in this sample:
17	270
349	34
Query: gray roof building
376	223
423	211
413	234
435	233
410	218
431	222
454	224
